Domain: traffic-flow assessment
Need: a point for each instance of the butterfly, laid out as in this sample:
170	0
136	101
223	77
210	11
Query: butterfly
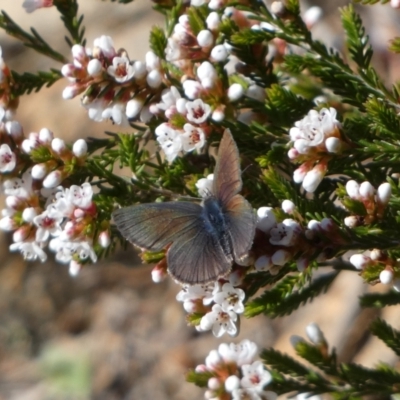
204	240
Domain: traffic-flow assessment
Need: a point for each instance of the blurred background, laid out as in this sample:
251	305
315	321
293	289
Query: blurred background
111	333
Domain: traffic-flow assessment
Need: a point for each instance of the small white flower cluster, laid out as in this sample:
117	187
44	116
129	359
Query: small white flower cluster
33	5
315	138
58	167
285	240
236	375
374	201
390	273
111	73
220	303
63	222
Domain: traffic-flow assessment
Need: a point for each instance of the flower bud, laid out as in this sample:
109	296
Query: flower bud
312	16
263	263
302	264
295	339
256	92
104	239
58	145
313	178
367	191
351	221
7	224
359	261
39	171
213	383
28	214
280	257
288	206
333	145
140	70
353	189
74	268
235	92
80	148
386	276
152	61
154	79
14	129
213	21
205	38
133	107
218	115
94	67
232	383
219	53
53	179
384	193
315	334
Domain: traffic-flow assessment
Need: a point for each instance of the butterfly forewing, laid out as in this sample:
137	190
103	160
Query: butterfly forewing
154	226
227	176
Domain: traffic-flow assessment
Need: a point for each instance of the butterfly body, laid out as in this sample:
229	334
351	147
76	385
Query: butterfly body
203	240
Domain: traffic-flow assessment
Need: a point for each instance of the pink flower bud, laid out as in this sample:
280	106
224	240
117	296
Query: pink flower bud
158	274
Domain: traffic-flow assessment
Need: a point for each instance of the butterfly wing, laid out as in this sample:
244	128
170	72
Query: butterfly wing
195	255
240	222
227	175
154	226
238	214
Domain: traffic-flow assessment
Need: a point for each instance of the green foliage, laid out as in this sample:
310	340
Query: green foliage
380	300
27	82
387	334
34	40
157	41
72	21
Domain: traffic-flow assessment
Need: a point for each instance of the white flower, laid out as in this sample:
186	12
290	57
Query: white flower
116	113
80	196
29	250
197	111
121	69
8	159
219	321
47	225
106	45
205	186
255	376
197	292
285	233
170	141
230	299
192	88
20	187
193	138
241	354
